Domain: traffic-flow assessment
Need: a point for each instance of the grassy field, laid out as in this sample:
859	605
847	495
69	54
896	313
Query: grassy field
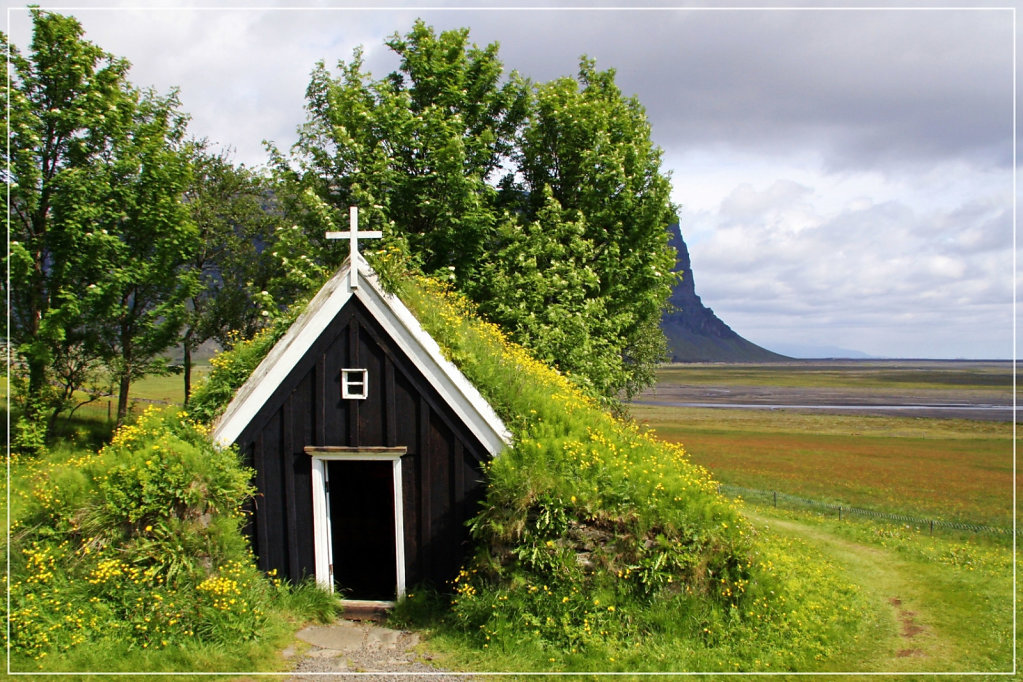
933	604
921	603
949	469
159	390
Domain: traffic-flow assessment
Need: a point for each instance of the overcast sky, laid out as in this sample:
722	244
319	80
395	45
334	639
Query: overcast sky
845	176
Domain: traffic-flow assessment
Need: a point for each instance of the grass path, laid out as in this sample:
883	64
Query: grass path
921	619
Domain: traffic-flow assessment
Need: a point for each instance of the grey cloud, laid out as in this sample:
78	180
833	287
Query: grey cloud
864	88
919	101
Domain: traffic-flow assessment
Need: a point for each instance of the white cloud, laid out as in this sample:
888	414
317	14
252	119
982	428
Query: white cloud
782	260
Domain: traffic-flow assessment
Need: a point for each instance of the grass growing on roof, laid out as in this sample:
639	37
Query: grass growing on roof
600	547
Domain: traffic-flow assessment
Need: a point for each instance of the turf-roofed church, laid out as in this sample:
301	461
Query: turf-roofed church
367	443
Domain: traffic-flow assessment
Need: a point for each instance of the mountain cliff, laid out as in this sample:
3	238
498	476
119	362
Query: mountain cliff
695	334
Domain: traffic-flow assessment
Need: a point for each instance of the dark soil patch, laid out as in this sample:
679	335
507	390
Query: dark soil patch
909	625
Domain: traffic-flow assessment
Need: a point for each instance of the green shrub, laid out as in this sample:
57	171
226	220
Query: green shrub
138	548
582	504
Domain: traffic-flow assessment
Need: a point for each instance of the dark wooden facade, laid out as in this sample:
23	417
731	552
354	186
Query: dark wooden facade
441	474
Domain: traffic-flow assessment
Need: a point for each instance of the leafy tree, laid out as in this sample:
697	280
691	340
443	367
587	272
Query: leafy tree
232	212
545	201
419	150
591	147
542	287
66	104
147	284
94	179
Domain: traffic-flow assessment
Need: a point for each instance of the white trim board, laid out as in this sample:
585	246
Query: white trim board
403	328
322	534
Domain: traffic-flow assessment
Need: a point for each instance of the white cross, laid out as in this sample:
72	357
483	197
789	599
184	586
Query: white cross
353	237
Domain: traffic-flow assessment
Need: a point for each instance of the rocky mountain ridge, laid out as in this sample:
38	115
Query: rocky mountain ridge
694	332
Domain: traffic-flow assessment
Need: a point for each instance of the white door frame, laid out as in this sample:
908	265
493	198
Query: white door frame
321	509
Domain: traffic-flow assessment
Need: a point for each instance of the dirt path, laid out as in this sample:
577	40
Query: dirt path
362	647
905	638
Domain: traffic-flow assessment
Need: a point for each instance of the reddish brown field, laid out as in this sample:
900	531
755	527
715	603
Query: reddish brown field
951	469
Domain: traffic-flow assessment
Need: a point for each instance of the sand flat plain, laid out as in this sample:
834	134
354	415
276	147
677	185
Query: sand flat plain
920	388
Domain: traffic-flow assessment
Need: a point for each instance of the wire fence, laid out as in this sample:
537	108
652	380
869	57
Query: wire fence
776	498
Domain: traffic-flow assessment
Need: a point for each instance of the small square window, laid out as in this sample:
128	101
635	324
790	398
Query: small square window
354	384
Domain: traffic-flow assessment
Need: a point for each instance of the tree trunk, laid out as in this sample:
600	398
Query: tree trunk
188	365
127	351
122	398
36	377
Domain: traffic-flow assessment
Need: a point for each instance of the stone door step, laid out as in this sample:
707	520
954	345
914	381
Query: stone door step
363	609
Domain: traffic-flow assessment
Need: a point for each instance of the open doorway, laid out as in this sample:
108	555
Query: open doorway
358	521
362	529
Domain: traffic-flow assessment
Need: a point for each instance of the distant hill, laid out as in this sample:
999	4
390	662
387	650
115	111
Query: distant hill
695	334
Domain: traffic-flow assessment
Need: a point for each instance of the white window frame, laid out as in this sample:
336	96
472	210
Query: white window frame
349	383
322	535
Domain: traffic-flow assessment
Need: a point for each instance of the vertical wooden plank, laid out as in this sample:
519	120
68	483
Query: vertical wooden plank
406	433
321	532
354	436
275	549
458	485
320	400
412	539
289	497
425	488
334	409
259	503
390	403
304	432
442	533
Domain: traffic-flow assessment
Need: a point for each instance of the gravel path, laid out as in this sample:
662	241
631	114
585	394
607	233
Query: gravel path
370	650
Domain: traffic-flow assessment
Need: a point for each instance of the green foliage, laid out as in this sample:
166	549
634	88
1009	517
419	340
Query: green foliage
588	148
542	288
97	229
543	203
28	432
414	151
229	206
138	548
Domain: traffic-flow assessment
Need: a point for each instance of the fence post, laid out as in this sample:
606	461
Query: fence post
932	526
839	513
775	492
